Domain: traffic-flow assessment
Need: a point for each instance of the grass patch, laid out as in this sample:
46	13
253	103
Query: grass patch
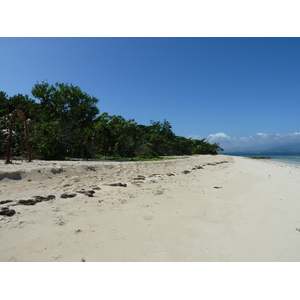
149	159
116	158
259	157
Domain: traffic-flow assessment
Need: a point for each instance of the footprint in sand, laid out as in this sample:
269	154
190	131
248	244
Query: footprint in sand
158	192
137	183
122	201
60	221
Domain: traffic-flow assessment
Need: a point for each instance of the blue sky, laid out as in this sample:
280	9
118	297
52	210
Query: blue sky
226	89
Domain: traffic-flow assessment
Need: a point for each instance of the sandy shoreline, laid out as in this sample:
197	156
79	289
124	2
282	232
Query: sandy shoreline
200	208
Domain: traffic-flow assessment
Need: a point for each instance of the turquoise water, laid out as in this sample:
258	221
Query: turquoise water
288	158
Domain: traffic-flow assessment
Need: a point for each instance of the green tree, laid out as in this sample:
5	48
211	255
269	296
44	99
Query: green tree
204	147
182	146
115	136
4	112
160	136
7	105
65	102
65	120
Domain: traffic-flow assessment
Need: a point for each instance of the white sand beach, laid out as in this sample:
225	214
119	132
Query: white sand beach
193	209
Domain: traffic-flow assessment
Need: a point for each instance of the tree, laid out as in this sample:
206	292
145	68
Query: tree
66	123
203	147
4	112
182	146
7	106
65	102
65	118
161	137
115	136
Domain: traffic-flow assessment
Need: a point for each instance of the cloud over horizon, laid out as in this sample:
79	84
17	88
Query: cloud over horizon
256	142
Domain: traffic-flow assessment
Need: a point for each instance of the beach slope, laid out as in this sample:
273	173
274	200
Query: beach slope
197	208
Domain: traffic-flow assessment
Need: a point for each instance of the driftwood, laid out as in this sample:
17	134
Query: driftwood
21	115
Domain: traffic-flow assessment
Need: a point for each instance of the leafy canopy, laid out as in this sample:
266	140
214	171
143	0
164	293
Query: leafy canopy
66	123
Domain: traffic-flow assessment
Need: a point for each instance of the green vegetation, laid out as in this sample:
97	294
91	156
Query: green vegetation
67	123
259	157
158	158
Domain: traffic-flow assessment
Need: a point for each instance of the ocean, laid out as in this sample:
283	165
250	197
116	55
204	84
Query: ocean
288	158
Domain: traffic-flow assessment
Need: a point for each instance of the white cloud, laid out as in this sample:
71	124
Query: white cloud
256	142
218	137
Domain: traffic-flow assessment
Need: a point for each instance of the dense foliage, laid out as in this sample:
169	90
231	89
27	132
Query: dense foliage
66	123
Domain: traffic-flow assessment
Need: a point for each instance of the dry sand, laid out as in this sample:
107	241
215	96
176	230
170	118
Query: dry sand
198	208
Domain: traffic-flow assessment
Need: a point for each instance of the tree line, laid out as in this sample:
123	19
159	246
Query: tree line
65	122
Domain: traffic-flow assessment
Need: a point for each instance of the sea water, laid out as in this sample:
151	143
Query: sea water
288	158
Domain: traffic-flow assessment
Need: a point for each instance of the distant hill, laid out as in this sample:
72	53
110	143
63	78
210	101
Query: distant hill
293	148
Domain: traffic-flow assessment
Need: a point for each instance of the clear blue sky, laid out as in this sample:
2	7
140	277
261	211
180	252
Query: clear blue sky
202	86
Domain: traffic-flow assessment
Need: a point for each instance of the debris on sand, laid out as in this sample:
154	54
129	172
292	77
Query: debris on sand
36	200
5	211
5	201
87	193
65	195
118	184
139	177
